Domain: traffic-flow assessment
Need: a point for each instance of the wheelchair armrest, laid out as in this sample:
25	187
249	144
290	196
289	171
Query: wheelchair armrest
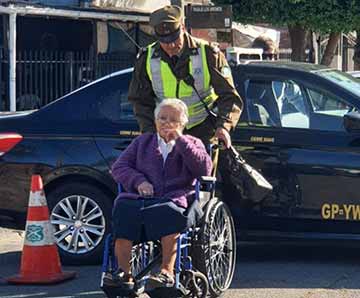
206	183
205	189
207	179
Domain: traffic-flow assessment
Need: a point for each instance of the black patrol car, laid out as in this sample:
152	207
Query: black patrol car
300	127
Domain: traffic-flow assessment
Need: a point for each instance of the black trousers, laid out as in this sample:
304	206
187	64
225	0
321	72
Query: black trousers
147	219
151	219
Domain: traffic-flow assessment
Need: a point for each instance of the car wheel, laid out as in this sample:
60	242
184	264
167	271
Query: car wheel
81	216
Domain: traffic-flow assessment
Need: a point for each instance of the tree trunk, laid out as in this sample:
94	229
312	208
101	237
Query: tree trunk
357	52
298	42
330	48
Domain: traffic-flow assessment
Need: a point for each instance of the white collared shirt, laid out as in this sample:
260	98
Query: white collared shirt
165	148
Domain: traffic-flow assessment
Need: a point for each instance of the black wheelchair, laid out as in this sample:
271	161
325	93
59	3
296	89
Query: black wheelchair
206	253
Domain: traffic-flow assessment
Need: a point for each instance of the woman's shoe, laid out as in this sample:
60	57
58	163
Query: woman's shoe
119	279
160	280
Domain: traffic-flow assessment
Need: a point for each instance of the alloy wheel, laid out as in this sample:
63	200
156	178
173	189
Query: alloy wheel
79	224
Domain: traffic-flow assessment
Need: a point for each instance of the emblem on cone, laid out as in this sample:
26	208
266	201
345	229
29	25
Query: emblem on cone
40	261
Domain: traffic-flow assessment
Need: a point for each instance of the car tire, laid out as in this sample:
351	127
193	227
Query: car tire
81	217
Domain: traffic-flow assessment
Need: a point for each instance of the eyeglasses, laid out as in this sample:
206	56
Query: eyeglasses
164	119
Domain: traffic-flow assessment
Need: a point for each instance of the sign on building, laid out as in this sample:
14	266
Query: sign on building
206	16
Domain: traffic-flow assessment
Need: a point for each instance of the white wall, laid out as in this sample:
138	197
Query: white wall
141	5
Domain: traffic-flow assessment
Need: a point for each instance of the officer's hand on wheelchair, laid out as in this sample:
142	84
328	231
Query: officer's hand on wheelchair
146	189
223	135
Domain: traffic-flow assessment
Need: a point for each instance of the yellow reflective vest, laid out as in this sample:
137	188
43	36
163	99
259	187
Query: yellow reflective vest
166	85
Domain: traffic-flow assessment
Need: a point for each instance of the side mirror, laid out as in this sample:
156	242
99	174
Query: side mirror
352	122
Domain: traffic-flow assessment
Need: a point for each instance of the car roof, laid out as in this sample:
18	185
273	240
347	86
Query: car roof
286	65
114	74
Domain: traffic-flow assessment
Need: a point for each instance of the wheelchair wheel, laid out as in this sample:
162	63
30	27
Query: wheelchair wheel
142	255
197	284
214	252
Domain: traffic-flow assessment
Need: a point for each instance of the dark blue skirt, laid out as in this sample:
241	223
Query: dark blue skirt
148	219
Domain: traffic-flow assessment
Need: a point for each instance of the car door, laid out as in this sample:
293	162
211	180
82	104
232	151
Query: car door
292	130
114	123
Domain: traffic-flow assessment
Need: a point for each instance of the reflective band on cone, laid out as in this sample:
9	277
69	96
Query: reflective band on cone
40	261
39	233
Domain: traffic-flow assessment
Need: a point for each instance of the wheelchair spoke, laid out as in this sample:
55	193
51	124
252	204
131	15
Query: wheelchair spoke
142	255
219	249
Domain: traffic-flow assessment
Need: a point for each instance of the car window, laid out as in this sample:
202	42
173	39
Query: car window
261	105
326	103
327	110
114	106
286	103
292	104
112	100
276	103
342	79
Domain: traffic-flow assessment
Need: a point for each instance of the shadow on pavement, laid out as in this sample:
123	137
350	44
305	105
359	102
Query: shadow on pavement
262	267
85	285
297	266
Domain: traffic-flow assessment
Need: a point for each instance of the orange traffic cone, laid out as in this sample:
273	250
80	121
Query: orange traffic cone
40	262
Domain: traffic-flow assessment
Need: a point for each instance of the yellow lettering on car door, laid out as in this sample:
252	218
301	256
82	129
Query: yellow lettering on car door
347	209
325	211
344	211
356	212
334	210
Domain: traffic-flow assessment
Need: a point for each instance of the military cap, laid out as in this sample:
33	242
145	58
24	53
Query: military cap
166	22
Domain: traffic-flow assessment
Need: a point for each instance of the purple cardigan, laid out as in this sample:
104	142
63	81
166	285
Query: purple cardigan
142	161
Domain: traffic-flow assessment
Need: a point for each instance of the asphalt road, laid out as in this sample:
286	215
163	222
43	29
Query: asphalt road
263	270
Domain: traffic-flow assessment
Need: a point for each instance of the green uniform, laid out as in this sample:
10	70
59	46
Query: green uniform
228	103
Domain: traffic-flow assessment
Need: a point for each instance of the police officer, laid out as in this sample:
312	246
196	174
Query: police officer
163	69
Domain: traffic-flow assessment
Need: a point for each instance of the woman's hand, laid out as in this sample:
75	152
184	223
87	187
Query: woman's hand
146	189
173	134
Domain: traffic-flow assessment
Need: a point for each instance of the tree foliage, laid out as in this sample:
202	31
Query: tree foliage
301	16
323	16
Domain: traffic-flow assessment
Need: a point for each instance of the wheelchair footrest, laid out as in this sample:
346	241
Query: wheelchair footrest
113	292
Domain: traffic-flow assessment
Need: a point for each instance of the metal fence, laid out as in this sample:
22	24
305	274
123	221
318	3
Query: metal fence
285	54
43	76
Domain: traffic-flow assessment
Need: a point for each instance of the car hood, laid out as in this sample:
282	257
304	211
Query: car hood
8	115
14	121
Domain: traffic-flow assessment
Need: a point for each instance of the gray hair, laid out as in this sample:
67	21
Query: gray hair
176	104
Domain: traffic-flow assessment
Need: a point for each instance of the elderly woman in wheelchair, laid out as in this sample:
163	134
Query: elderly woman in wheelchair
158	200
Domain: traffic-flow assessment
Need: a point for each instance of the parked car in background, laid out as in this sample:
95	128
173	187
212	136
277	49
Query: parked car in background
355	74
300	127
237	55
71	143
